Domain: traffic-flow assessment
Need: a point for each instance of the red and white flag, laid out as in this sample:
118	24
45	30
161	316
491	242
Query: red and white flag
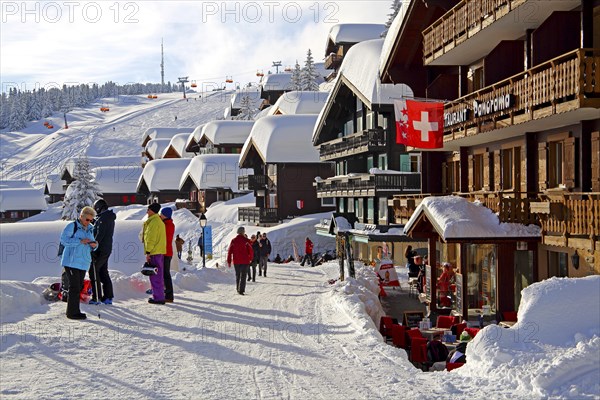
419	124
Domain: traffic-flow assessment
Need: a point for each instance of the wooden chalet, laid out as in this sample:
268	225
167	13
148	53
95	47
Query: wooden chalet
285	165
159	181
521	136
341	38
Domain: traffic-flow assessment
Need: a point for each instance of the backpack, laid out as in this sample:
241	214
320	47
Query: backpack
436	351
52	293
61	247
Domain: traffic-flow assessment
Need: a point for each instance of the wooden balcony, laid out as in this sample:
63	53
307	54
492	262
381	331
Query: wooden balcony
252	182
368	185
333	61
472	28
569	219
369	140
567	85
258	215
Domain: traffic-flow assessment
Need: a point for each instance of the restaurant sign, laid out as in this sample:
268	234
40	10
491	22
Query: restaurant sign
497	104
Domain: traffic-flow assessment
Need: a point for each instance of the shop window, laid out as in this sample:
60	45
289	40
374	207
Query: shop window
557	264
481	277
555	164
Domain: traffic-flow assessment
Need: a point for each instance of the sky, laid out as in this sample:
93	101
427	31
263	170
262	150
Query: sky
48	43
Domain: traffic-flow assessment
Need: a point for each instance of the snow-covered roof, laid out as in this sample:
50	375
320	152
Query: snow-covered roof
275	82
156	147
109	161
227	132
359	71
23	198
354	33
392	36
178	143
163	133
162	175
283	139
195	135
360	68
211	171
253	93
455	218
117	179
14	184
299	102
227	113
54	185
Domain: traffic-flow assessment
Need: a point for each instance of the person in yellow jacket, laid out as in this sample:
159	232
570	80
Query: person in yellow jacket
154	237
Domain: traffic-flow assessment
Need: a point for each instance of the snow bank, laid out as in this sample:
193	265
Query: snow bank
18	299
548	351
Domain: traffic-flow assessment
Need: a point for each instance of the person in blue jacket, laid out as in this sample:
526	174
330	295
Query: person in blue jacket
77	256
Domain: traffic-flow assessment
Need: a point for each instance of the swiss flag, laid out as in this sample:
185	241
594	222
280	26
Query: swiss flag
419	124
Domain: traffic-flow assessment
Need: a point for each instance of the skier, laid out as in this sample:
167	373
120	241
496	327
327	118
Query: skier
104	228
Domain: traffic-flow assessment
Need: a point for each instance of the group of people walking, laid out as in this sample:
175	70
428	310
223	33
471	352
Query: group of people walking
245	254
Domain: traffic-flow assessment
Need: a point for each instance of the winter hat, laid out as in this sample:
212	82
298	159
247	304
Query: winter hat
167	212
154	207
465	337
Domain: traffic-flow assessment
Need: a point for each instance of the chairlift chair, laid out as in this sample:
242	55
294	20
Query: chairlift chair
259	73
194	84
229	79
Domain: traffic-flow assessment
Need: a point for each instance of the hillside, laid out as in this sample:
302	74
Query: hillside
37	151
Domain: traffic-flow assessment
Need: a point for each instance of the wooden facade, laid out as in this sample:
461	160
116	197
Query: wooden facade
523	135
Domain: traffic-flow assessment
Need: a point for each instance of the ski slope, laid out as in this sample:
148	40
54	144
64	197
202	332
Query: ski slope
37	151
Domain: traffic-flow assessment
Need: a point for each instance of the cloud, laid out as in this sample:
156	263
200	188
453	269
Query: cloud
120	41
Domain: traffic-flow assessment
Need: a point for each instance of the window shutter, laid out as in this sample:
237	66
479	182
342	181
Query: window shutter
569	166
471	173
542	166
486	171
595	161
497	169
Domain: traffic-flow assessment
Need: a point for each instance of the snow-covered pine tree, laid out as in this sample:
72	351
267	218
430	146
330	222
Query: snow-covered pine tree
246	109
47	109
4	108
83	191
395	7
309	74
35	106
296	79
17	119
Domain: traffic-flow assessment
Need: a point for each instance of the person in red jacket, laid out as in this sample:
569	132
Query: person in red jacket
308	250
165	214
241	254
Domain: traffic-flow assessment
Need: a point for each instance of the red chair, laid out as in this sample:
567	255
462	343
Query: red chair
460	328
450	366
472	332
445	321
509	316
399	336
418	350
385	326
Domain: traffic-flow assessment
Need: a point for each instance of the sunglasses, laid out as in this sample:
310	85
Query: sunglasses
89	220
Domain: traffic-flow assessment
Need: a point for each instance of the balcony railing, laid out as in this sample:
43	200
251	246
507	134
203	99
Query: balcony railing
569	216
462	22
566	83
258	215
369	140
333	61
252	182
368	184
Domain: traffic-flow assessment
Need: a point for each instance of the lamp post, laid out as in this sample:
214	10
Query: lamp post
203	225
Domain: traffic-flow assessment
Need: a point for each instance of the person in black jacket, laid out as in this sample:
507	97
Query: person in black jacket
104	228
265	251
255	258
